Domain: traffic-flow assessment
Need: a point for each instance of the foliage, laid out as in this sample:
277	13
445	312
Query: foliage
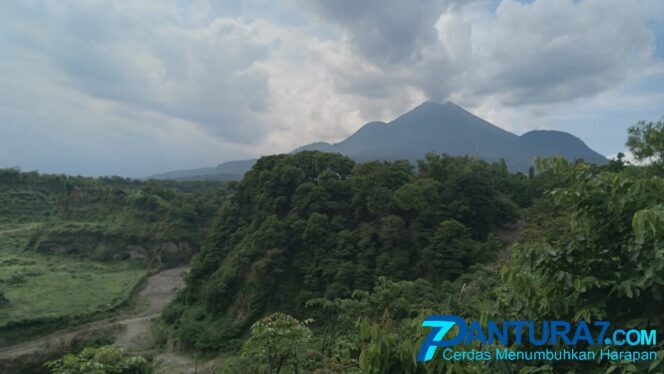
608	261
102	360
378	331
605	260
277	344
646	142
110	217
617	164
4	301
316	225
371	252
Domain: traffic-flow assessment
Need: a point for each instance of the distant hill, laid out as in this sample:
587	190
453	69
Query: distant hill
430	127
107	218
231	170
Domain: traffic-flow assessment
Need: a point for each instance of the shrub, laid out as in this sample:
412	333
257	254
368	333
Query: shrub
102	360
4	301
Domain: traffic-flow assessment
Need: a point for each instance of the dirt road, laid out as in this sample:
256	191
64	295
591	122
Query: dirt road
130	331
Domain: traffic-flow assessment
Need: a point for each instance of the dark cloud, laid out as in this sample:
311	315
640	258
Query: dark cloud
383	31
545	51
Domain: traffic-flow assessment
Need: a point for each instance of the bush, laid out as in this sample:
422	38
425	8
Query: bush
102	360
4	301
278	342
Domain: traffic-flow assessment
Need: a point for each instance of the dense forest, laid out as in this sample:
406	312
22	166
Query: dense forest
317	225
316	263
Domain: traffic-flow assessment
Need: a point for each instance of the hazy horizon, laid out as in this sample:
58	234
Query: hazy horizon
133	89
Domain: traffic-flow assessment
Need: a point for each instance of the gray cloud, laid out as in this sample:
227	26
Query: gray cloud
200	74
553	51
385	32
547	51
399	50
137	87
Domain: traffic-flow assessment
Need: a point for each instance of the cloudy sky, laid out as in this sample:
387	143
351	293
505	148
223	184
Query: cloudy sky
138	87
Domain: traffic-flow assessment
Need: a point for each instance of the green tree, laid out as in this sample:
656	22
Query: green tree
617	164
278	343
313	225
393	259
606	262
420	202
449	253
646	141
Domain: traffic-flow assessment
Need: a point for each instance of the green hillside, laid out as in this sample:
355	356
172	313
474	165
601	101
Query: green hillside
317	225
72	248
319	264
109	218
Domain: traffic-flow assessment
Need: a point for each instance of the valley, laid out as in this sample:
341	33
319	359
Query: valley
128	328
87	262
314	262
332	187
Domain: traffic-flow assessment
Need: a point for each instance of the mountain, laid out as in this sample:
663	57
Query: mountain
430	127
227	171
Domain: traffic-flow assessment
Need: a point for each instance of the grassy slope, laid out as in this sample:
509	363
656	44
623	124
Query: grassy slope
44	286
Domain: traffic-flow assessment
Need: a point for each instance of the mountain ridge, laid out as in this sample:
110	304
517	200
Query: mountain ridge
429	127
